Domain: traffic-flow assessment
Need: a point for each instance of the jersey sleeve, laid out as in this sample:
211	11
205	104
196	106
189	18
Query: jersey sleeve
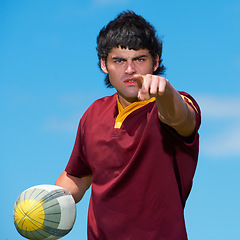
77	164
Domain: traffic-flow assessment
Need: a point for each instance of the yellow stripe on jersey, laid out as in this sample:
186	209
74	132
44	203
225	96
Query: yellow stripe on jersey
186	99
124	112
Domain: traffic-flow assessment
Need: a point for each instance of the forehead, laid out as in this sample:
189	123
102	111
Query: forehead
128	53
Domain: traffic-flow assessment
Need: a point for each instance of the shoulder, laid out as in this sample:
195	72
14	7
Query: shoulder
105	100
101	106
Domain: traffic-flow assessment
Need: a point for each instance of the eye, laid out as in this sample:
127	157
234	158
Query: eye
140	59
118	60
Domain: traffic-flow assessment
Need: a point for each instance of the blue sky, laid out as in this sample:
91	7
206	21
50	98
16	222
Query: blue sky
49	76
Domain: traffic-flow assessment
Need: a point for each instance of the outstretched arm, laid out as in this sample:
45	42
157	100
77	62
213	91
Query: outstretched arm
172	109
76	186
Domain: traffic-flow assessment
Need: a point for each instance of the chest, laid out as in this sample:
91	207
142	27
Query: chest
139	141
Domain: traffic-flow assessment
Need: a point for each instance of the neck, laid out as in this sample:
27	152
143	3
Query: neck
126	102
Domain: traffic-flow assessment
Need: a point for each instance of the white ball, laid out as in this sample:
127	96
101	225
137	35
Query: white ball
44	212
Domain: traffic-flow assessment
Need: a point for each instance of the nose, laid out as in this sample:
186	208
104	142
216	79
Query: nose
130	69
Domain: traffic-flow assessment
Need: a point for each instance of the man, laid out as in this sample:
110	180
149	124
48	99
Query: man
139	147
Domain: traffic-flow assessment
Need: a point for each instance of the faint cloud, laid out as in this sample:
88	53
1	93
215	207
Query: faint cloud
238	62
235	7
109	2
221	118
216	107
67	11
49	39
74	104
61	125
226	144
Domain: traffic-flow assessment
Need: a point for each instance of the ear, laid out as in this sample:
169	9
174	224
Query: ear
104	66
156	63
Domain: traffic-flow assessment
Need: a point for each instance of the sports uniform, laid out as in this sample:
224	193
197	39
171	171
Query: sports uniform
142	170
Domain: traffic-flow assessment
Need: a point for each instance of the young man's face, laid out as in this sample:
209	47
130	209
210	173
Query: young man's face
122	65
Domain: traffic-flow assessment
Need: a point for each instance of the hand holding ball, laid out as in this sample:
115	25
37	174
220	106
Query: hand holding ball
44	212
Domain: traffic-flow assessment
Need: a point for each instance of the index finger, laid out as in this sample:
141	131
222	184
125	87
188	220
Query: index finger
139	79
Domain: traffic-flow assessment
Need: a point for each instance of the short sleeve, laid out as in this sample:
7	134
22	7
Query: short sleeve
77	164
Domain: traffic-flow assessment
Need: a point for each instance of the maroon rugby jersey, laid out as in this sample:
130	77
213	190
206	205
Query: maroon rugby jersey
142	172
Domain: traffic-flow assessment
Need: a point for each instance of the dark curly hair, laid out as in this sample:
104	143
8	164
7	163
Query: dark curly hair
132	31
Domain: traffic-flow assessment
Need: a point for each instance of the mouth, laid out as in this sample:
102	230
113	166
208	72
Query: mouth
130	81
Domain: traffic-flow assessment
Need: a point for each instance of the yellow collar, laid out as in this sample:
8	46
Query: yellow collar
124	112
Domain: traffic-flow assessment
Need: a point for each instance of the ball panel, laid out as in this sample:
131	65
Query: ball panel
56	232
29	215
44	233
68	212
38	234
52	213
34	193
46	187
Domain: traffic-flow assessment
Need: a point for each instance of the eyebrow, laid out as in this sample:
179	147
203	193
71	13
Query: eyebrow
135	58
